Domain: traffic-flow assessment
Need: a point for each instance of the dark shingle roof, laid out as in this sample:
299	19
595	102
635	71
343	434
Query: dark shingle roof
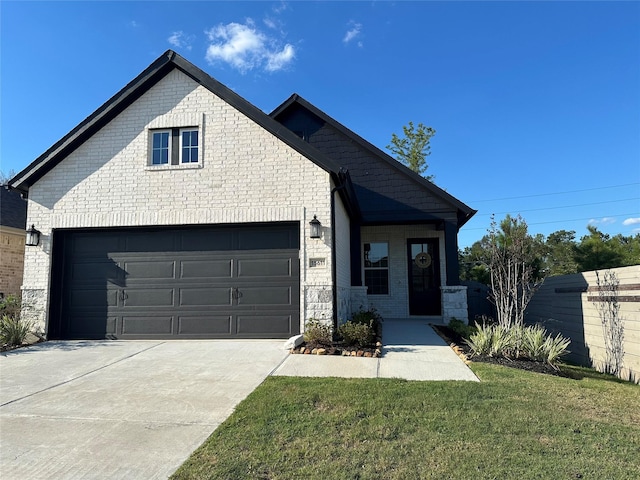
386	190
13	209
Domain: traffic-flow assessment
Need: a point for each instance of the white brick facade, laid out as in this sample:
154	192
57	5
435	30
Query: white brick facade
395	305
246	174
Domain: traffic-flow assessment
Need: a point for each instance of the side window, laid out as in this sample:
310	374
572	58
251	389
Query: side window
189	145
376	268
160	147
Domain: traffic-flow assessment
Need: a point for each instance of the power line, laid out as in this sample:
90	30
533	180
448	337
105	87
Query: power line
557	221
555	193
556	208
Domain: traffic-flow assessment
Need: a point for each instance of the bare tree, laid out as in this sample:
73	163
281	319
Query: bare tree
512	267
608	306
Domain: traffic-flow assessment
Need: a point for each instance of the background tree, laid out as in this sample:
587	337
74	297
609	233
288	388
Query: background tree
561	248
413	148
598	251
5	177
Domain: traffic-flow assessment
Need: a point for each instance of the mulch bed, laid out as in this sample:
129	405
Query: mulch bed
462	349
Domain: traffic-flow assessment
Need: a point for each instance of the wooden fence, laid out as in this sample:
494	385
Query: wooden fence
571	305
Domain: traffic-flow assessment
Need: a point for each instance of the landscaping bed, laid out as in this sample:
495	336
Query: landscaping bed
457	343
361	336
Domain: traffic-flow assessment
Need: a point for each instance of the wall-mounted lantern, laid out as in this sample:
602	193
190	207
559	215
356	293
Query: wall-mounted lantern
314	227
33	237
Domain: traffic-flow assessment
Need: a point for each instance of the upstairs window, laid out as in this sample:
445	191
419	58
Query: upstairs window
174	146
160	147
189	145
376	268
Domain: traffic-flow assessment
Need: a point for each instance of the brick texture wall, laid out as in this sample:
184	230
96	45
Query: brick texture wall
11	260
246	175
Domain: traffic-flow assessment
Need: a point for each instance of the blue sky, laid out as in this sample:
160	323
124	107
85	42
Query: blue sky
536	104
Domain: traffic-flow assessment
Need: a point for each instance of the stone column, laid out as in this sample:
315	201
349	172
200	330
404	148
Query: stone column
454	303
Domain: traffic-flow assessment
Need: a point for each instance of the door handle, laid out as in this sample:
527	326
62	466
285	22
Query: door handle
123	296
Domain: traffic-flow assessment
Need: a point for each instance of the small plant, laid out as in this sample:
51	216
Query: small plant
317	333
461	328
533	343
359	334
367	317
481	341
13	329
555	348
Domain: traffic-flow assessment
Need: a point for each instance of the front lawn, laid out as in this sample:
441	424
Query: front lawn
513	424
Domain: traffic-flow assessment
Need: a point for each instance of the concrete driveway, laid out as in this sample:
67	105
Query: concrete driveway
131	409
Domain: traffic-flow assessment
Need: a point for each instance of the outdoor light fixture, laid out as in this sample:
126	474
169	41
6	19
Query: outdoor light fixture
315	227
33	237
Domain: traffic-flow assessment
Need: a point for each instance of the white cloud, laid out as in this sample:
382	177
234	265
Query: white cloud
353	32
181	40
281	8
602	221
244	47
631	221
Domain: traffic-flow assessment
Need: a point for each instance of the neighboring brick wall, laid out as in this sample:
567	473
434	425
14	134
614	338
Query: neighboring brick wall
247	175
396	304
11	260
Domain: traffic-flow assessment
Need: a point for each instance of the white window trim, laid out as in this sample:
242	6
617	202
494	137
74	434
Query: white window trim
180	157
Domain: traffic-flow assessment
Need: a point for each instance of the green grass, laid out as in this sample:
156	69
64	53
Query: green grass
514	424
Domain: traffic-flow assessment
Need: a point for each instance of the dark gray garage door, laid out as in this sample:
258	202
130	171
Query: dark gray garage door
216	282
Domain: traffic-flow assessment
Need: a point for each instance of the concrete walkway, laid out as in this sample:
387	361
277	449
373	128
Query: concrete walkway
412	351
120	409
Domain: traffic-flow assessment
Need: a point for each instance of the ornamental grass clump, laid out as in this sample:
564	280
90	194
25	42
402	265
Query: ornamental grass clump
13	329
531	342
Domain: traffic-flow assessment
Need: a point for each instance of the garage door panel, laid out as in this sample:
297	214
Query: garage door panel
205	325
93	298
96	271
254	296
193	269
197	297
207	241
150	298
89	243
271	267
84	326
263	325
149	242
146	325
149	270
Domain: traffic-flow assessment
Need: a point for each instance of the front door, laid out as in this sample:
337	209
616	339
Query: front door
424	276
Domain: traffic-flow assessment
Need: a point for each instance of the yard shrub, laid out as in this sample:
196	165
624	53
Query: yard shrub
461	328
317	332
367	317
358	334
13	329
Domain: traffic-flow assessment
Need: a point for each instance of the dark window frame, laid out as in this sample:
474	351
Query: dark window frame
376	274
